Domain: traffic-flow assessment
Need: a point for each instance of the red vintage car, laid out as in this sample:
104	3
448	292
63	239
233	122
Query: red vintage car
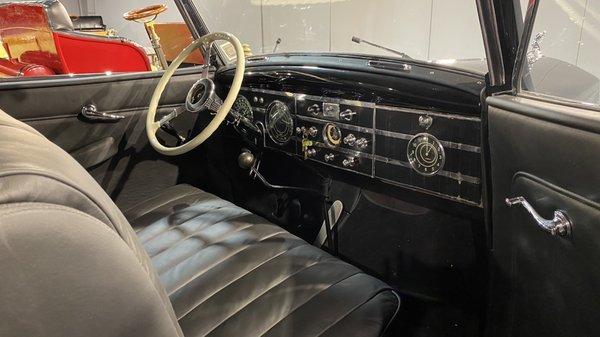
40	39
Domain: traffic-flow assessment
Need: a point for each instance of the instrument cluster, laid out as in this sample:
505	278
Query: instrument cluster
428	151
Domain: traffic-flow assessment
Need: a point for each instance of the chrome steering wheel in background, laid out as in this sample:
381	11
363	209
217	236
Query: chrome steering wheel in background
202	95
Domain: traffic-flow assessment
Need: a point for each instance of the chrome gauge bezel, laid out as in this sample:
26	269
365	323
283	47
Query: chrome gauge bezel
326	139
419	166
287	134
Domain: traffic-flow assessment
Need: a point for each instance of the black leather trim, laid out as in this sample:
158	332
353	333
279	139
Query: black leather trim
552	112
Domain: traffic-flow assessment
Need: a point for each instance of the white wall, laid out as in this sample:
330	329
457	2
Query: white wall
424	29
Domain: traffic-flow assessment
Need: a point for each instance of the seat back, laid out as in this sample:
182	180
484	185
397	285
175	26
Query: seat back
70	261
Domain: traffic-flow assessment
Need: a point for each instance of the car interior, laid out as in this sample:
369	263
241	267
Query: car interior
206	191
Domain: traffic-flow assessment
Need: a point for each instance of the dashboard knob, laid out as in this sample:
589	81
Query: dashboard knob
347	115
350	162
350	140
313	132
314	109
329	157
246	159
311	152
362	143
300	131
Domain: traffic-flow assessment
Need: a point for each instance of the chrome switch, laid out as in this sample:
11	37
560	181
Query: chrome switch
350	140
347	115
350	162
362	143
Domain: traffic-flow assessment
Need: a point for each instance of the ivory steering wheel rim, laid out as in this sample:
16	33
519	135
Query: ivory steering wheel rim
152	126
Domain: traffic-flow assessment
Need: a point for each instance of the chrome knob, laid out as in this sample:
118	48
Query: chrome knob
311	152
350	140
314	109
350	162
300	131
313	132
347	115
362	143
329	157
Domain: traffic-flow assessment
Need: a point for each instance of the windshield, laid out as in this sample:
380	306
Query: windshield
441	31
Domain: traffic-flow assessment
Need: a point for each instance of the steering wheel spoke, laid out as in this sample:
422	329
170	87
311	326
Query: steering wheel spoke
174	114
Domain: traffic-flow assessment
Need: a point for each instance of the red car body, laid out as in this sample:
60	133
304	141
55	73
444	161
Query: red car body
40	41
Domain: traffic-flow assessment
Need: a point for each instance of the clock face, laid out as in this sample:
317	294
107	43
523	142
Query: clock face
426	154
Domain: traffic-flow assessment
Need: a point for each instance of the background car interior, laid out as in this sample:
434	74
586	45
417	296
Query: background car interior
428	253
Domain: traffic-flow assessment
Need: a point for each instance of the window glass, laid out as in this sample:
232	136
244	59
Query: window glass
424	30
562	58
73	38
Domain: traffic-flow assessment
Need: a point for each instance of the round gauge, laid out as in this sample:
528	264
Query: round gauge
243	107
332	135
280	125
426	154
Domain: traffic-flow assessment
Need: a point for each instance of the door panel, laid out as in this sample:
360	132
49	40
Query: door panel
549	154
117	154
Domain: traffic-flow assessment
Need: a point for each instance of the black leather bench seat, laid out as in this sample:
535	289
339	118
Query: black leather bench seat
229	272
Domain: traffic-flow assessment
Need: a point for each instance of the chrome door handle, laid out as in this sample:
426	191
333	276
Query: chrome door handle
91	113
561	225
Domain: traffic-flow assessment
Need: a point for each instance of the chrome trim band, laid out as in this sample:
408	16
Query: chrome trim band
342	125
426	191
270	92
301	97
452	175
429	112
343	101
447	144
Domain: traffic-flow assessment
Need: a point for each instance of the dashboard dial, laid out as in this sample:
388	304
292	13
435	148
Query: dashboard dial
426	154
280	124
243	107
332	135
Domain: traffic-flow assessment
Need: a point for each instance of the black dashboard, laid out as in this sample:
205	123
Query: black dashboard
408	124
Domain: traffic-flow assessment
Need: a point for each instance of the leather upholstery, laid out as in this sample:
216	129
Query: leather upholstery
33	170
232	273
65	273
72	265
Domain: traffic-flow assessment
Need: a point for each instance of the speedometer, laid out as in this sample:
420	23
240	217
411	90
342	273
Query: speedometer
243	107
280	124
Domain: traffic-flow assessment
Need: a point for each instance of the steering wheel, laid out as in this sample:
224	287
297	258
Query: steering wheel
146	12
200	97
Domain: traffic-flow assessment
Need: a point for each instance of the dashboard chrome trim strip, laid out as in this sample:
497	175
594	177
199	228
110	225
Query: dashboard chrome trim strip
342	125
301	97
325	99
429	112
448	144
452	175
437	194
